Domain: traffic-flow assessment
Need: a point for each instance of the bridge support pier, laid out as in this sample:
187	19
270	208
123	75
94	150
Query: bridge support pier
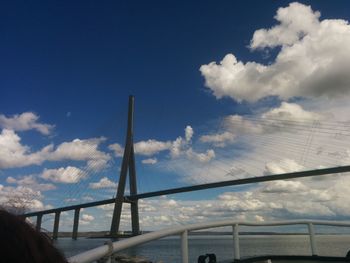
38	222
56	225
76	223
135	225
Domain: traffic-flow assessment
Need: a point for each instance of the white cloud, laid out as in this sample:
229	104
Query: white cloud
285	187
117	148
68	175
86	219
282	166
71	200
188	133
296	21
151	147
278	200
97	165
238	125
150	161
201	157
14	154
103	183
88	198
20	199
176	147
313	60
24	122
30	181
259	218
79	150
278	119
219	139
288	112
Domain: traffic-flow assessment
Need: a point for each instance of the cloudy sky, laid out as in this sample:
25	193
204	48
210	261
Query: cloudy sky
223	91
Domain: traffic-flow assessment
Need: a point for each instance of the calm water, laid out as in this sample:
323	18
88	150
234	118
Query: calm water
168	249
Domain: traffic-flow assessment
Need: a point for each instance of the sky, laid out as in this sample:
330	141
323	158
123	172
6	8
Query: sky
223	90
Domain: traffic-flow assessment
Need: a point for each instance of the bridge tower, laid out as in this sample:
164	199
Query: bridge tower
128	164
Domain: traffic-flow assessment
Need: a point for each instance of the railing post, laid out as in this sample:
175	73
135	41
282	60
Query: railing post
38	222
56	225
184	247
312	239
236	242
75	223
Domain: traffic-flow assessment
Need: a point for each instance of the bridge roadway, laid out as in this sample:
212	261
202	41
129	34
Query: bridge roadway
131	198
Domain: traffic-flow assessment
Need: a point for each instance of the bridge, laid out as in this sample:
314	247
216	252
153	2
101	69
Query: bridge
128	169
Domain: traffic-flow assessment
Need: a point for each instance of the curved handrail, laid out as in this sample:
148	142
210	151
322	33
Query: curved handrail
102	251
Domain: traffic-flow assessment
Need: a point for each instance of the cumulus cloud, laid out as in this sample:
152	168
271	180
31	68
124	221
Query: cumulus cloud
219	139
295	199
86	219
285	187
67	175
296	21
97	165
31	182
285	117
151	147
188	133
103	183
14	154
150	161
79	150
24	122
117	149
176	147
20	199
239	125
71	200
269	201
313	60
288	112
201	157
283	166
279	140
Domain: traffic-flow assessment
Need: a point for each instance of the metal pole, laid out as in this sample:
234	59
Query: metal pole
76	224
56	225
312	239
236	242
38	222
184	247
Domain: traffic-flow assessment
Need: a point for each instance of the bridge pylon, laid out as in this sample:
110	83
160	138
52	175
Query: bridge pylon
128	164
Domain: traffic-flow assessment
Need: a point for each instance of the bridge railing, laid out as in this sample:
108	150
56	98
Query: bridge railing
106	251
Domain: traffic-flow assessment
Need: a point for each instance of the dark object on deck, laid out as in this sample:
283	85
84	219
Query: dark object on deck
210	257
20	242
291	259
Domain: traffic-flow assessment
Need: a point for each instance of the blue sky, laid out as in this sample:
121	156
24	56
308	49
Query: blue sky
223	90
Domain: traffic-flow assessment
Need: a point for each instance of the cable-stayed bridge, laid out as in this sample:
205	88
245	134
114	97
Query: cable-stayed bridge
128	169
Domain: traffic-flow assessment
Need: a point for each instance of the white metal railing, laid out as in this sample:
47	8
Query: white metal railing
105	251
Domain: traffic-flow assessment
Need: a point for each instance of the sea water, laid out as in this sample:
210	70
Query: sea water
169	249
